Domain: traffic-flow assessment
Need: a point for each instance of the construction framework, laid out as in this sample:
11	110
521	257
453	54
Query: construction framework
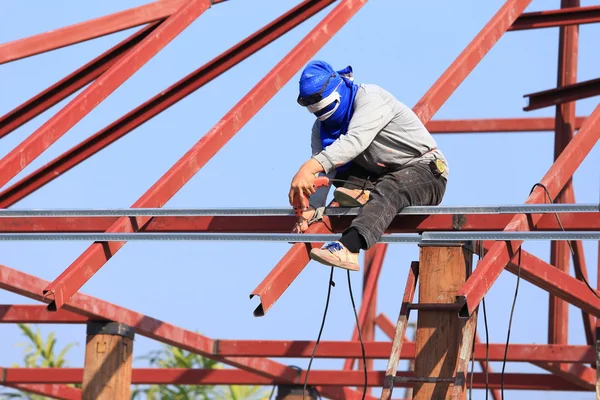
495	235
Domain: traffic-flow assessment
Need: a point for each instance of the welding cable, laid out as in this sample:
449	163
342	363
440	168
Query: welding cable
583	278
487	345
510	324
472	365
330	284
362	346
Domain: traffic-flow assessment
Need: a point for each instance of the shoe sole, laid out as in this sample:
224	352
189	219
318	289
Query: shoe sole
345	200
341	264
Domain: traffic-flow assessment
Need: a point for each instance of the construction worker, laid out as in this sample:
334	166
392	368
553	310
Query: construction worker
377	145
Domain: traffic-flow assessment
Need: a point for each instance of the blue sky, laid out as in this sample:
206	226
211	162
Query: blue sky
204	286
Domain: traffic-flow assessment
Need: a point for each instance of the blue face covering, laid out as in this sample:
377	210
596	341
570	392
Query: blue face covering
313	77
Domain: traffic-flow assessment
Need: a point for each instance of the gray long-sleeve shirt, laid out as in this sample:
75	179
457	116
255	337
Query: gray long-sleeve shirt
383	132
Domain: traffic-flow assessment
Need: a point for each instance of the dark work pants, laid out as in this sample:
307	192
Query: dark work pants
412	185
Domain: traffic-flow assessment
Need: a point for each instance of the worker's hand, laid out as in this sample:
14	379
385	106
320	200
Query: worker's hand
302	184
302	222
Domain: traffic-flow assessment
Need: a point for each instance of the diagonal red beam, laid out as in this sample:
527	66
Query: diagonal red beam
553	18
55	39
326	378
554	180
48	390
15	161
540	124
294	261
563	94
163	100
71	83
585	221
589	322
80	271
17	314
30	286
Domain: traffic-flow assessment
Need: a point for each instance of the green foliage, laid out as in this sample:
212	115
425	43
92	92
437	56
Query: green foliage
173	357
39	353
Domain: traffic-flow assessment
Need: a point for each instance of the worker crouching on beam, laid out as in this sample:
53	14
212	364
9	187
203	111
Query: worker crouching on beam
377	146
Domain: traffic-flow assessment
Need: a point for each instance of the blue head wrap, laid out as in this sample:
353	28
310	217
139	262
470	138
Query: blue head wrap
313	77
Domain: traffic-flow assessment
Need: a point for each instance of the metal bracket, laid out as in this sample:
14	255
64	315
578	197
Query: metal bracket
110	328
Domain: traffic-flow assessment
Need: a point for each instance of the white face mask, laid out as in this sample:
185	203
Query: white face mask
333	97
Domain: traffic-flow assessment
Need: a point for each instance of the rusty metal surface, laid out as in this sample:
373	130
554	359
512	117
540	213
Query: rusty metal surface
553	18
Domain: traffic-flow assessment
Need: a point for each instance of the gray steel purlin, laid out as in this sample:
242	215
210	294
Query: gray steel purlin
95	256
330	211
554	180
160	102
97	27
70	84
90	97
553	18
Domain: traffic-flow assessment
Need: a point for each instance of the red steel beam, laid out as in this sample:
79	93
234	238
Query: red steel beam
30	286
82	269
162	101
488	125
585	221
18	314
501	253
564	94
553	18
70	84
325	378
15	161
55	39
294	261
558	311
53	391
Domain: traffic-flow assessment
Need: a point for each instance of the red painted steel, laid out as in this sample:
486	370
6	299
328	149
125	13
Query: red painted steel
325	378
494	125
553	18
54	391
584	377
496	394
589	322
55	39
162	101
71	83
552	97
568	46
373	268
294	261
500	253
30	286
17	314
63	287
586	221
15	161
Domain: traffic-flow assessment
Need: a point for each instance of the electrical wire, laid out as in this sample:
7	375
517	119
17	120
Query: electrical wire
510	324
331	284
487	355
362	346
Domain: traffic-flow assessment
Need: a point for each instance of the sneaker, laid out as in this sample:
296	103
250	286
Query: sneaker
336	255
351	197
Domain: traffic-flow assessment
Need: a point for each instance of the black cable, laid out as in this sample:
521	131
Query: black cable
510	324
583	278
362	346
487	345
329	286
472	367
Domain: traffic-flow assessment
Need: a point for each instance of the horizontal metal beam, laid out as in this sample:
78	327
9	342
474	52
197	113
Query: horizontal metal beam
186	376
563	94
35	314
495	125
553	18
330	211
304	238
584	221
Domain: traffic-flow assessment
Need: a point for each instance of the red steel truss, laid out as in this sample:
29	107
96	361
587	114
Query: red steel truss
571	367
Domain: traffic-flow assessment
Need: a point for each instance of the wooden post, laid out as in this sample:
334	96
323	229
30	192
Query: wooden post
295	392
108	357
443	268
